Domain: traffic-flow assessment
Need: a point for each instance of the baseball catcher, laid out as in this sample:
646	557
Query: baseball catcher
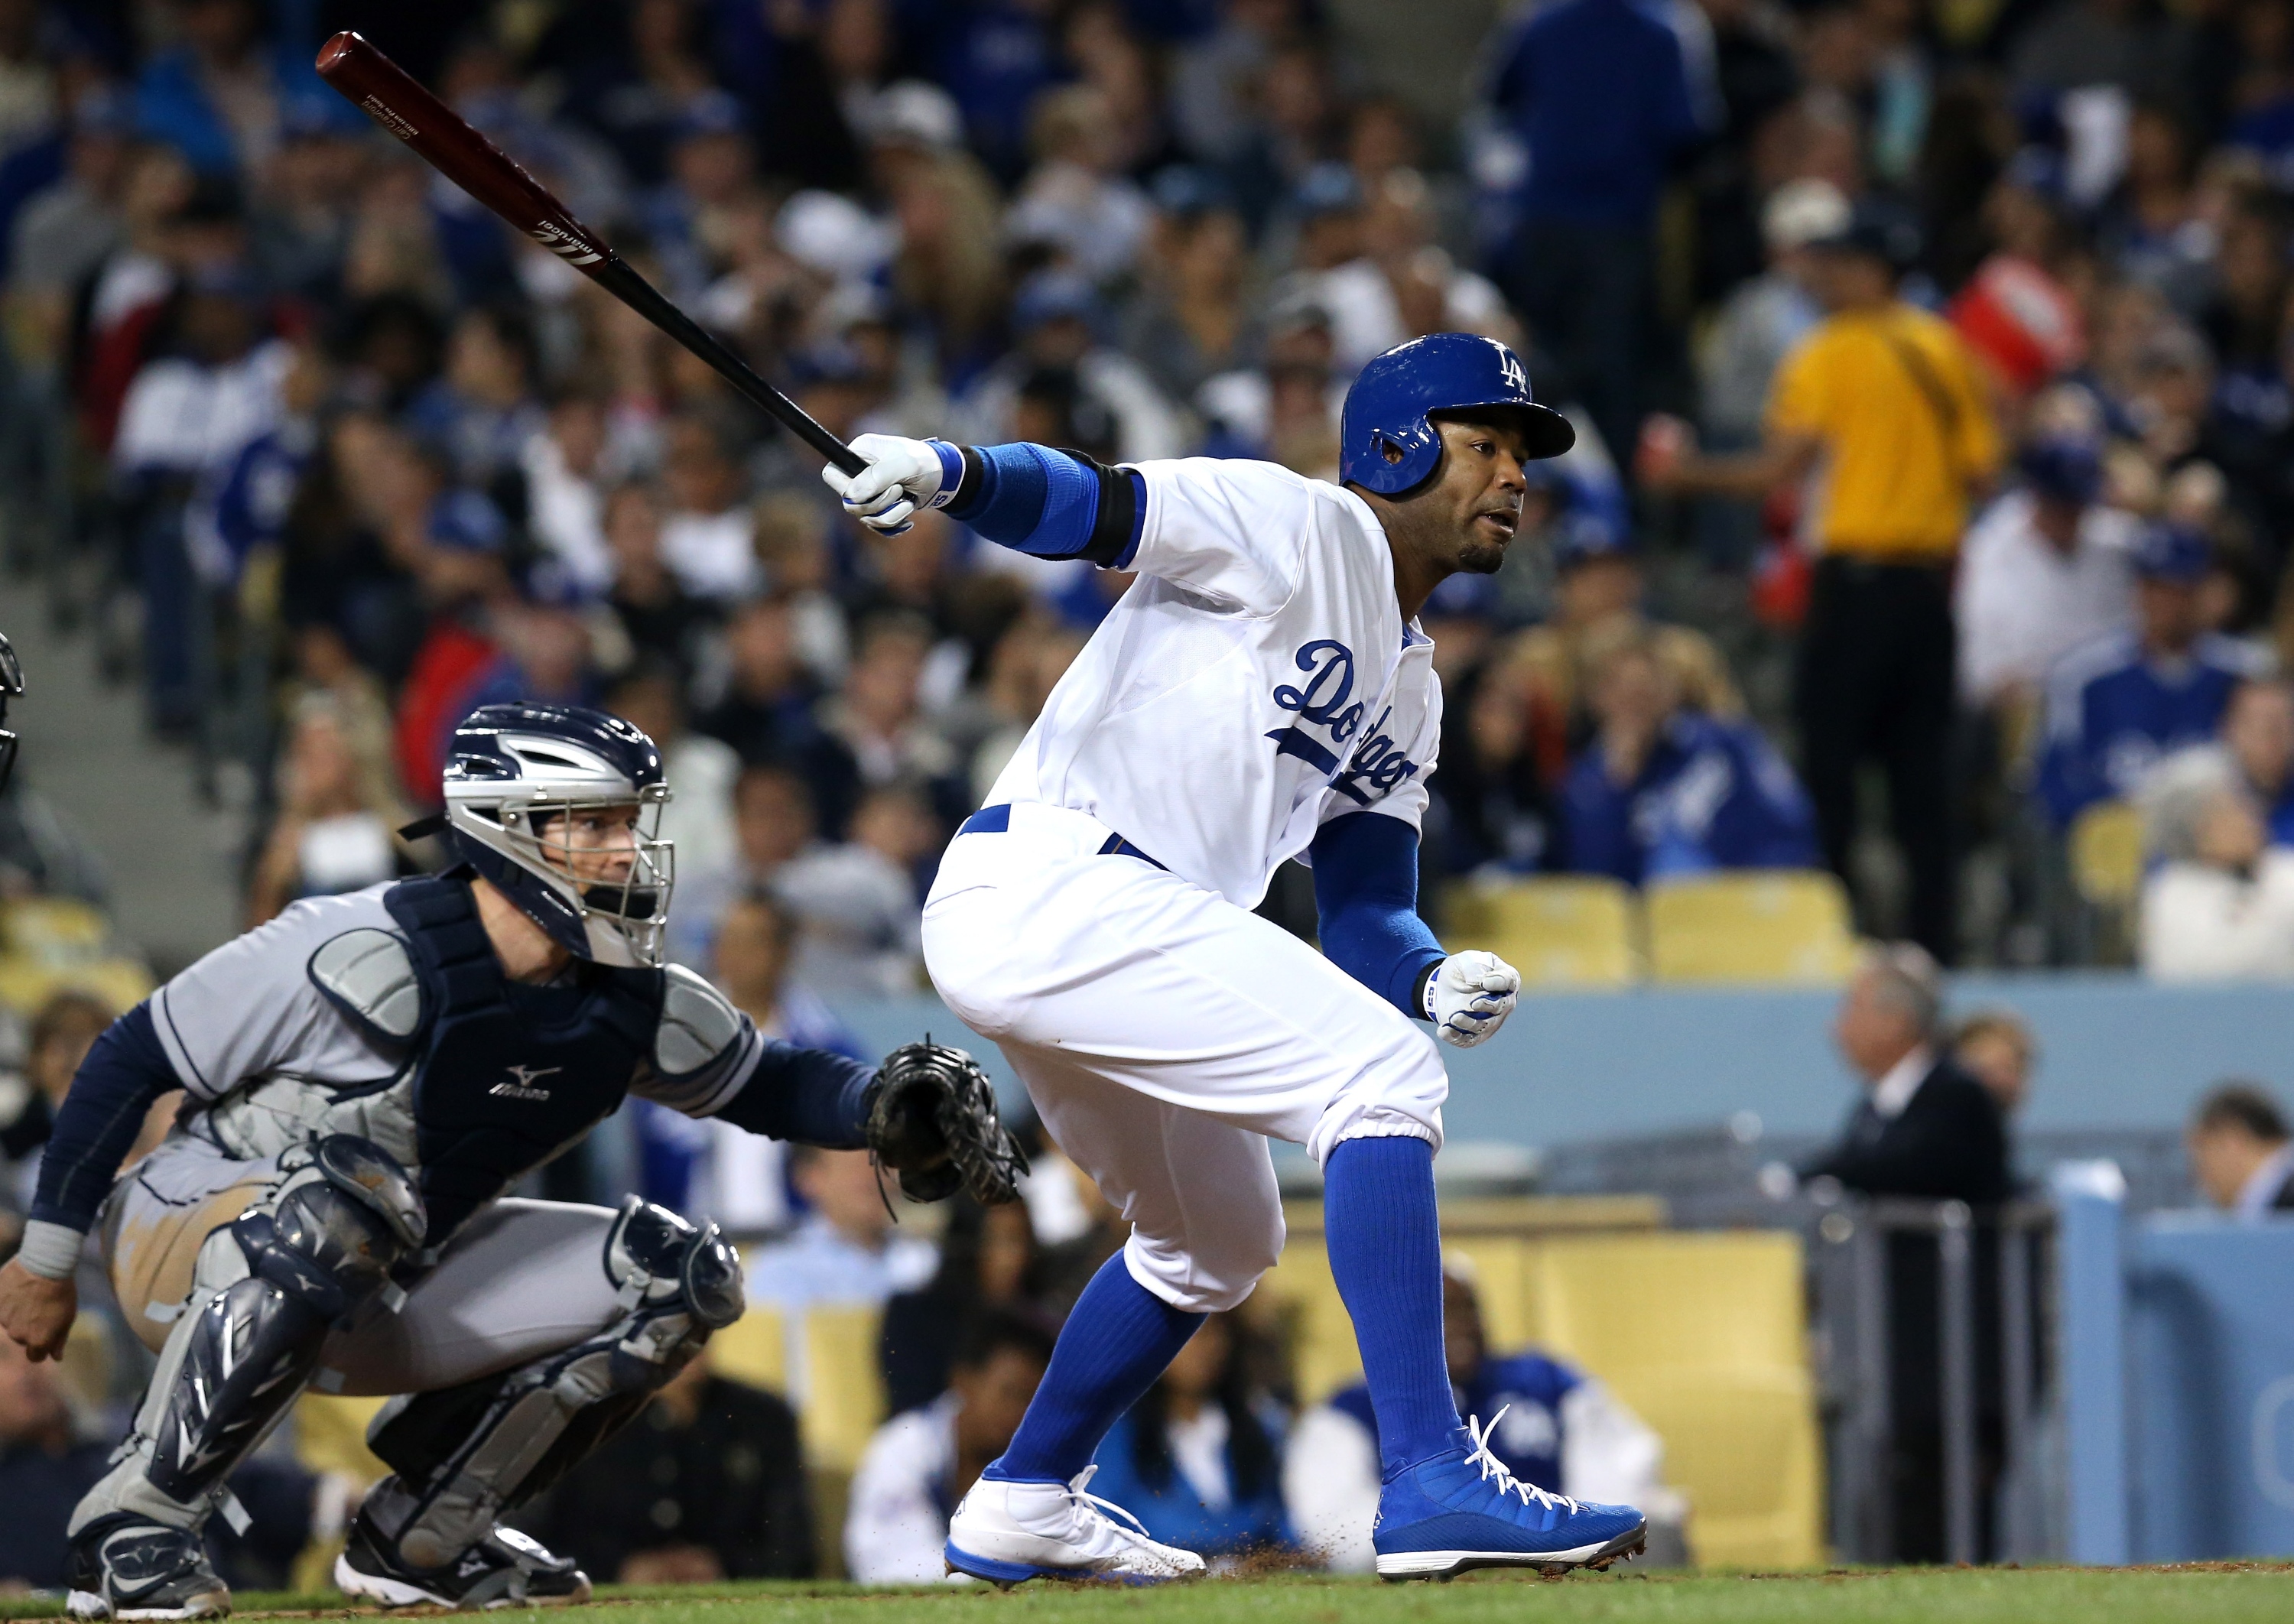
367	1076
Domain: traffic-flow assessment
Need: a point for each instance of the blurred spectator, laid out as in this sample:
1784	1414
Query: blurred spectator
766	713
1889	401
707	1484
860	904
63	1029
1076	202
987	1265
2258	730
2120	702
773	821
708	538
922	1461
2242	1155
2017	313
1928	1130
700	771
1604	99
223	95
481	413
2047	568
1059	322
1997	1049
879	719
660	618
1599	595
706	1168
1493	785
2219	905
1767	314
846	1249
1554	1426
338	817
1199	1459
562	462
1191	322
1925	1128
1663	791
48	1459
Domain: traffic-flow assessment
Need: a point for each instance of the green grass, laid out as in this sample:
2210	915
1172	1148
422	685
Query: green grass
2226	1593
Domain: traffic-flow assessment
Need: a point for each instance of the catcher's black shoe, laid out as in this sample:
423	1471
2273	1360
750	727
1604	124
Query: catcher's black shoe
506	1569
123	1567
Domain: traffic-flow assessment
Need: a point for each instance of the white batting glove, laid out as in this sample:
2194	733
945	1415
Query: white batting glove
902	476
1468	996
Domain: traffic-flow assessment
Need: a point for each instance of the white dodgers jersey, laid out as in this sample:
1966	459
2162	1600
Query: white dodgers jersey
1257	681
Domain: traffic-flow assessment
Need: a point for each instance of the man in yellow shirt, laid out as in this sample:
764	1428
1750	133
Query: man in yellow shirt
1880	414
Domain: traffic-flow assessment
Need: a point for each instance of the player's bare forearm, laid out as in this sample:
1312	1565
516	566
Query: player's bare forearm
37	1312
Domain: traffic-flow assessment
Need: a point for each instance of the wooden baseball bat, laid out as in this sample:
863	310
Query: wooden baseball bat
391	96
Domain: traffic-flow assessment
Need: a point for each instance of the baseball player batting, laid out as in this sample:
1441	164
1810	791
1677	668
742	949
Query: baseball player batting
367	1076
1261	692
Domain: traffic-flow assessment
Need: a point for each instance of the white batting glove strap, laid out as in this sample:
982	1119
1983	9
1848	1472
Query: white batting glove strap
902	476
1468	996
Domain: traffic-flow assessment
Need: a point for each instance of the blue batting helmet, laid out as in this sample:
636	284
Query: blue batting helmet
514	775
1386	441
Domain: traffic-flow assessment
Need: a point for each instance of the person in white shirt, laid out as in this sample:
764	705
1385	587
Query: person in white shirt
923	1461
2047	568
2220	905
709	539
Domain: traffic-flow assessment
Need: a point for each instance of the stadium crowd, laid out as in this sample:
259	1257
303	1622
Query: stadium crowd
1932	378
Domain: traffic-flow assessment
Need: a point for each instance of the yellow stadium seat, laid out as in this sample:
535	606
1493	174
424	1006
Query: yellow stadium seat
752	1349
1702	1334
1787	925
2106	854
330	1435
1558	930
27	981
47	925
843	1392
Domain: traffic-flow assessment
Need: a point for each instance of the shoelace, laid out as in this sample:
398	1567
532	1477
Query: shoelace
1492	1467
1108	1511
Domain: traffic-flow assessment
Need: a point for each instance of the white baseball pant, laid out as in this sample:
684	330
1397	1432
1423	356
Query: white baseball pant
1165	1035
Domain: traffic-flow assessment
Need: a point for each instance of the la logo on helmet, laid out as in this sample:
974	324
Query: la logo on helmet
1515	377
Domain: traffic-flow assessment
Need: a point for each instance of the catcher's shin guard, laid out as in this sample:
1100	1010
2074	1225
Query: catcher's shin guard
932	1120
270	1285
462	1456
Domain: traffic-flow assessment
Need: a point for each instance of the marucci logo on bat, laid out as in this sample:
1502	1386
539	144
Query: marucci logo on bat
563	244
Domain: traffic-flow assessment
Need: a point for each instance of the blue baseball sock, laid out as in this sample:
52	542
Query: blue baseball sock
1385	1240
1116	1343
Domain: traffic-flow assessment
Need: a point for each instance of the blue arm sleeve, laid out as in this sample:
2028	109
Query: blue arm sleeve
1052	504
1366	891
97	1124
806	1096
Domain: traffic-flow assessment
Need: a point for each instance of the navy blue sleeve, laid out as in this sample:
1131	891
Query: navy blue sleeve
1366	891
97	1124
1052	504
806	1096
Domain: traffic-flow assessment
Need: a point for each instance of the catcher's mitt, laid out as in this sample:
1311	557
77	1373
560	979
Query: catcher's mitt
932	1119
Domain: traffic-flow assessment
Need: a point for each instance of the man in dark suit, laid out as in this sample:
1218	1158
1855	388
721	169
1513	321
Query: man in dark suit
1925	1129
2242	1154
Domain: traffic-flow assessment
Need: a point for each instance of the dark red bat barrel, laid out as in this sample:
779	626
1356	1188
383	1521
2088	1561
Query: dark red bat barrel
396	101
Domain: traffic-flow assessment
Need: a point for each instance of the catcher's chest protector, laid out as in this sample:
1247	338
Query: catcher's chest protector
505	1077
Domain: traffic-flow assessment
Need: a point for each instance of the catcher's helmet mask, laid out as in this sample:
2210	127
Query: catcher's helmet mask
1389	441
515	777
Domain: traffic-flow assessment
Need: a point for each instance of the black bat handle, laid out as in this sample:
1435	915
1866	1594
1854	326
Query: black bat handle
619	278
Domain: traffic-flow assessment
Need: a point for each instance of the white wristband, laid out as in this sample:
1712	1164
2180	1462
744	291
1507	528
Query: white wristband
50	1250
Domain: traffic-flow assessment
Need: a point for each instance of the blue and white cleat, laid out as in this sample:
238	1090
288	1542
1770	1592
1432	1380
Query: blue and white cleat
1463	1509
1008	1534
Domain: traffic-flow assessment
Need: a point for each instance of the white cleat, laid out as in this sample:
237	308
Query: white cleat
1008	1534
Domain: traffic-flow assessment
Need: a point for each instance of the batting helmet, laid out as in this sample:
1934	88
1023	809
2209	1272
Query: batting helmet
1386	443
516	775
